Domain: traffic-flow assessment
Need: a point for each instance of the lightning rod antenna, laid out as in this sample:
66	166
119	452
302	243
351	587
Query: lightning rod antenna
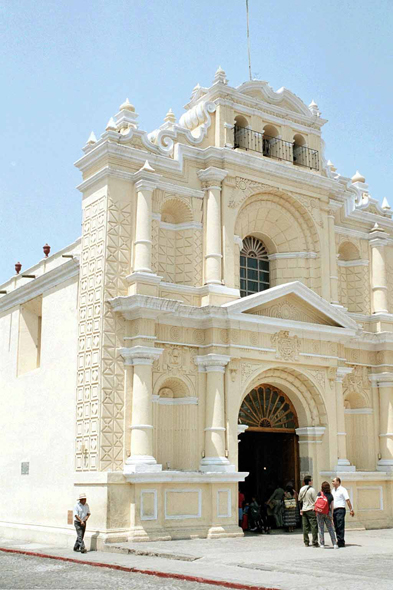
248	42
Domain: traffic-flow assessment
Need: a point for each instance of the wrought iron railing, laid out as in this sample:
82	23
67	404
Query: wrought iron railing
273	147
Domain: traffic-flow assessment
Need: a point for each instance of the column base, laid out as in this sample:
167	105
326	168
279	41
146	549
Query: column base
141	464
344	465
143	282
385	465
216	465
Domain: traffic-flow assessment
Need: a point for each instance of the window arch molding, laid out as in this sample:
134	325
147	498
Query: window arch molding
254	266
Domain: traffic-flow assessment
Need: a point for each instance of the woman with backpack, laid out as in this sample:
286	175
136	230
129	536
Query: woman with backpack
324	511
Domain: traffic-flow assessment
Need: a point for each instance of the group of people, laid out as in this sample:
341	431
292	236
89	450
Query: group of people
287	509
327	507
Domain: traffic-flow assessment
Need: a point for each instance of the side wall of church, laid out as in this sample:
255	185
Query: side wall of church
37	411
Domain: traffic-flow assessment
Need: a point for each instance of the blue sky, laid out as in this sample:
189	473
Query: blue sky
67	65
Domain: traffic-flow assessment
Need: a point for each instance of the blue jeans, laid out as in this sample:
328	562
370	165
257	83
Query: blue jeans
323	519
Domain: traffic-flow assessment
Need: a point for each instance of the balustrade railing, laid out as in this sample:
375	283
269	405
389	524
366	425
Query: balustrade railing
273	147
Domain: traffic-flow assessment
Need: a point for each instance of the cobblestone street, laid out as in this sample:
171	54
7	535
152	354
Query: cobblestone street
269	561
23	571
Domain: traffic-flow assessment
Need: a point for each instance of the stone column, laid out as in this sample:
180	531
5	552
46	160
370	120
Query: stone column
145	182
141	359
211	179
332	259
342	462
385	387
215	446
378	241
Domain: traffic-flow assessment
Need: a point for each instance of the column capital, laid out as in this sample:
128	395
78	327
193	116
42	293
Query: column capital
140	355
378	236
146	178
382	379
212	177
212	362
343	372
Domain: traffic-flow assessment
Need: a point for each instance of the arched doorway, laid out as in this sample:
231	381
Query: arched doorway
268	448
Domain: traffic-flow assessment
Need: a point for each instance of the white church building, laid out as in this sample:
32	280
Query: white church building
226	316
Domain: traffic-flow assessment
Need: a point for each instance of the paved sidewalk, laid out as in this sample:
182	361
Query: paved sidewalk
276	561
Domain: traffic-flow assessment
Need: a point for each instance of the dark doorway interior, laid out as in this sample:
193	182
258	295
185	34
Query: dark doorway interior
270	458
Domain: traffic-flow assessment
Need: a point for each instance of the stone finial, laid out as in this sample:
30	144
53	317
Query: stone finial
18	267
170	117
377	228
331	166
146	167
46	250
385	204
92	139
220	77
314	109
195	90
111	125
358	177
127	106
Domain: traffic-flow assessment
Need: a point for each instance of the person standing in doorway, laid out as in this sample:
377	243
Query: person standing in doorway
307	498
341	500
324	511
81	515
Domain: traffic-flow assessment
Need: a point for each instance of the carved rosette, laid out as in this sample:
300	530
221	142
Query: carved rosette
287	347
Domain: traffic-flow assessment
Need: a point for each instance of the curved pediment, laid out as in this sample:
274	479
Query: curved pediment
283	97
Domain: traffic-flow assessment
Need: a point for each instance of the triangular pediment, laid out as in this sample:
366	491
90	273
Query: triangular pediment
293	302
291	307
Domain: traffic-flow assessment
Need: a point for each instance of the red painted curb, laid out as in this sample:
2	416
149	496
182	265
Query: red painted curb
136	570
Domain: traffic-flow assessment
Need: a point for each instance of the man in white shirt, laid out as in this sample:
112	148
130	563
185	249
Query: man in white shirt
341	499
81	515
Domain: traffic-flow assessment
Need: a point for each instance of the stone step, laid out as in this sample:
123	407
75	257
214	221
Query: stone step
127	549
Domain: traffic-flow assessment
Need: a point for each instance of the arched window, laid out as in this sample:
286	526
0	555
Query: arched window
268	408
254	267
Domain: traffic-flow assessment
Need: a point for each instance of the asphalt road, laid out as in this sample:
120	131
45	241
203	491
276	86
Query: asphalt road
23	571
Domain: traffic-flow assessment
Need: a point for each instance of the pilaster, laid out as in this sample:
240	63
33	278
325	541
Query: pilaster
211	179
141	457
385	390
379	287
215	453
342	462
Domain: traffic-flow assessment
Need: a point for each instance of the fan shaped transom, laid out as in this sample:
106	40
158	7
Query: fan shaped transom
268	408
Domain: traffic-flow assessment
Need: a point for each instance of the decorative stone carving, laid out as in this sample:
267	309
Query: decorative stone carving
198	336
176	360
249	187
287	347
248	369
175	333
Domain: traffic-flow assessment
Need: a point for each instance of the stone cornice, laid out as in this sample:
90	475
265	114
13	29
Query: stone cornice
140	355
171	311
212	362
226	156
342	372
212	176
38	286
111	172
134	306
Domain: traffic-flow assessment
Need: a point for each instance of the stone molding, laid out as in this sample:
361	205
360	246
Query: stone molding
342	372
212	363
212	176
140	355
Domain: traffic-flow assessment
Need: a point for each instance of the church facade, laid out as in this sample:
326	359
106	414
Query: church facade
226	317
